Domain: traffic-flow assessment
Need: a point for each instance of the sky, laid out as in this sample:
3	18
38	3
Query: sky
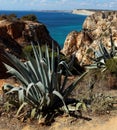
57	4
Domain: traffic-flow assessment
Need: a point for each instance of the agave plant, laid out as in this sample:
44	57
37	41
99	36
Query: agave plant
42	86
104	58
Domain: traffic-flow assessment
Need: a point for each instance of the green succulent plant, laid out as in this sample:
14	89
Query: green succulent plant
106	59
42	86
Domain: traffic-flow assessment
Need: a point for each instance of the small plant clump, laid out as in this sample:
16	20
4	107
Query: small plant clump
30	17
106	59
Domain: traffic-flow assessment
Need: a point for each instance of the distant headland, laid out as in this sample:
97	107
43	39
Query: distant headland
83	12
87	11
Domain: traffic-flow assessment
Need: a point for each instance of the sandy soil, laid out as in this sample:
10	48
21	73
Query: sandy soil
64	123
95	124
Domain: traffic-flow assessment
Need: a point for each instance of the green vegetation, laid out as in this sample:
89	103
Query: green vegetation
30	17
75	68
44	91
43	88
12	17
9	17
105	59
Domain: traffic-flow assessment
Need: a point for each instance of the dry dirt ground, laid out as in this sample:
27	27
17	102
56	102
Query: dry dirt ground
101	120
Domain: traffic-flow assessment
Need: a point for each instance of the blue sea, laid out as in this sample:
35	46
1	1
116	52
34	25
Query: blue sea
59	24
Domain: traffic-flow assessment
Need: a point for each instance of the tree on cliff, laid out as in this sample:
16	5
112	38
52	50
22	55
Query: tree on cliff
11	17
8	17
30	17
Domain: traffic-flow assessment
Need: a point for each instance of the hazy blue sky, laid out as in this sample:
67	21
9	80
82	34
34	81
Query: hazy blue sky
57	4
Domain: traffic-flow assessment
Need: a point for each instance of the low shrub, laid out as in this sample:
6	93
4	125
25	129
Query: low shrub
29	17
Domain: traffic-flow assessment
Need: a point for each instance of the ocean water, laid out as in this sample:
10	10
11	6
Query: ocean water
59	24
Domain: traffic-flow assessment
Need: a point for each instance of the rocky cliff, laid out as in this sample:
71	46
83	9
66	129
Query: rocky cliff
14	35
96	28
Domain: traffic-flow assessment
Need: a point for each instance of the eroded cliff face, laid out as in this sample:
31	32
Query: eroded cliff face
14	35
96	29
20	32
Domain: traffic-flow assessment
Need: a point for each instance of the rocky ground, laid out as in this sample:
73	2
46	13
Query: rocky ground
98	117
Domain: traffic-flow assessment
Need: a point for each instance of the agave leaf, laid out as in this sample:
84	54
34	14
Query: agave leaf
42	102
92	66
70	64
20	67
84	106
31	70
78	105
71	107
34	67
33	112
69	89
53	83
64	83
48	99
48	63
62	99
103	51
101	48
45	74
36	92
32	92
58	80
37	57
21	95
17	74
28	88
7	87
41	87
39	52
21	107
64	64
98	54
15	89
113	50
31	101
52	59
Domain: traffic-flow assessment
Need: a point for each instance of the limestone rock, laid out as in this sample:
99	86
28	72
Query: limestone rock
96	29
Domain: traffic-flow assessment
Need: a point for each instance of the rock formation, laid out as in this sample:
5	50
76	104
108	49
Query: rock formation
96	28
14	35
